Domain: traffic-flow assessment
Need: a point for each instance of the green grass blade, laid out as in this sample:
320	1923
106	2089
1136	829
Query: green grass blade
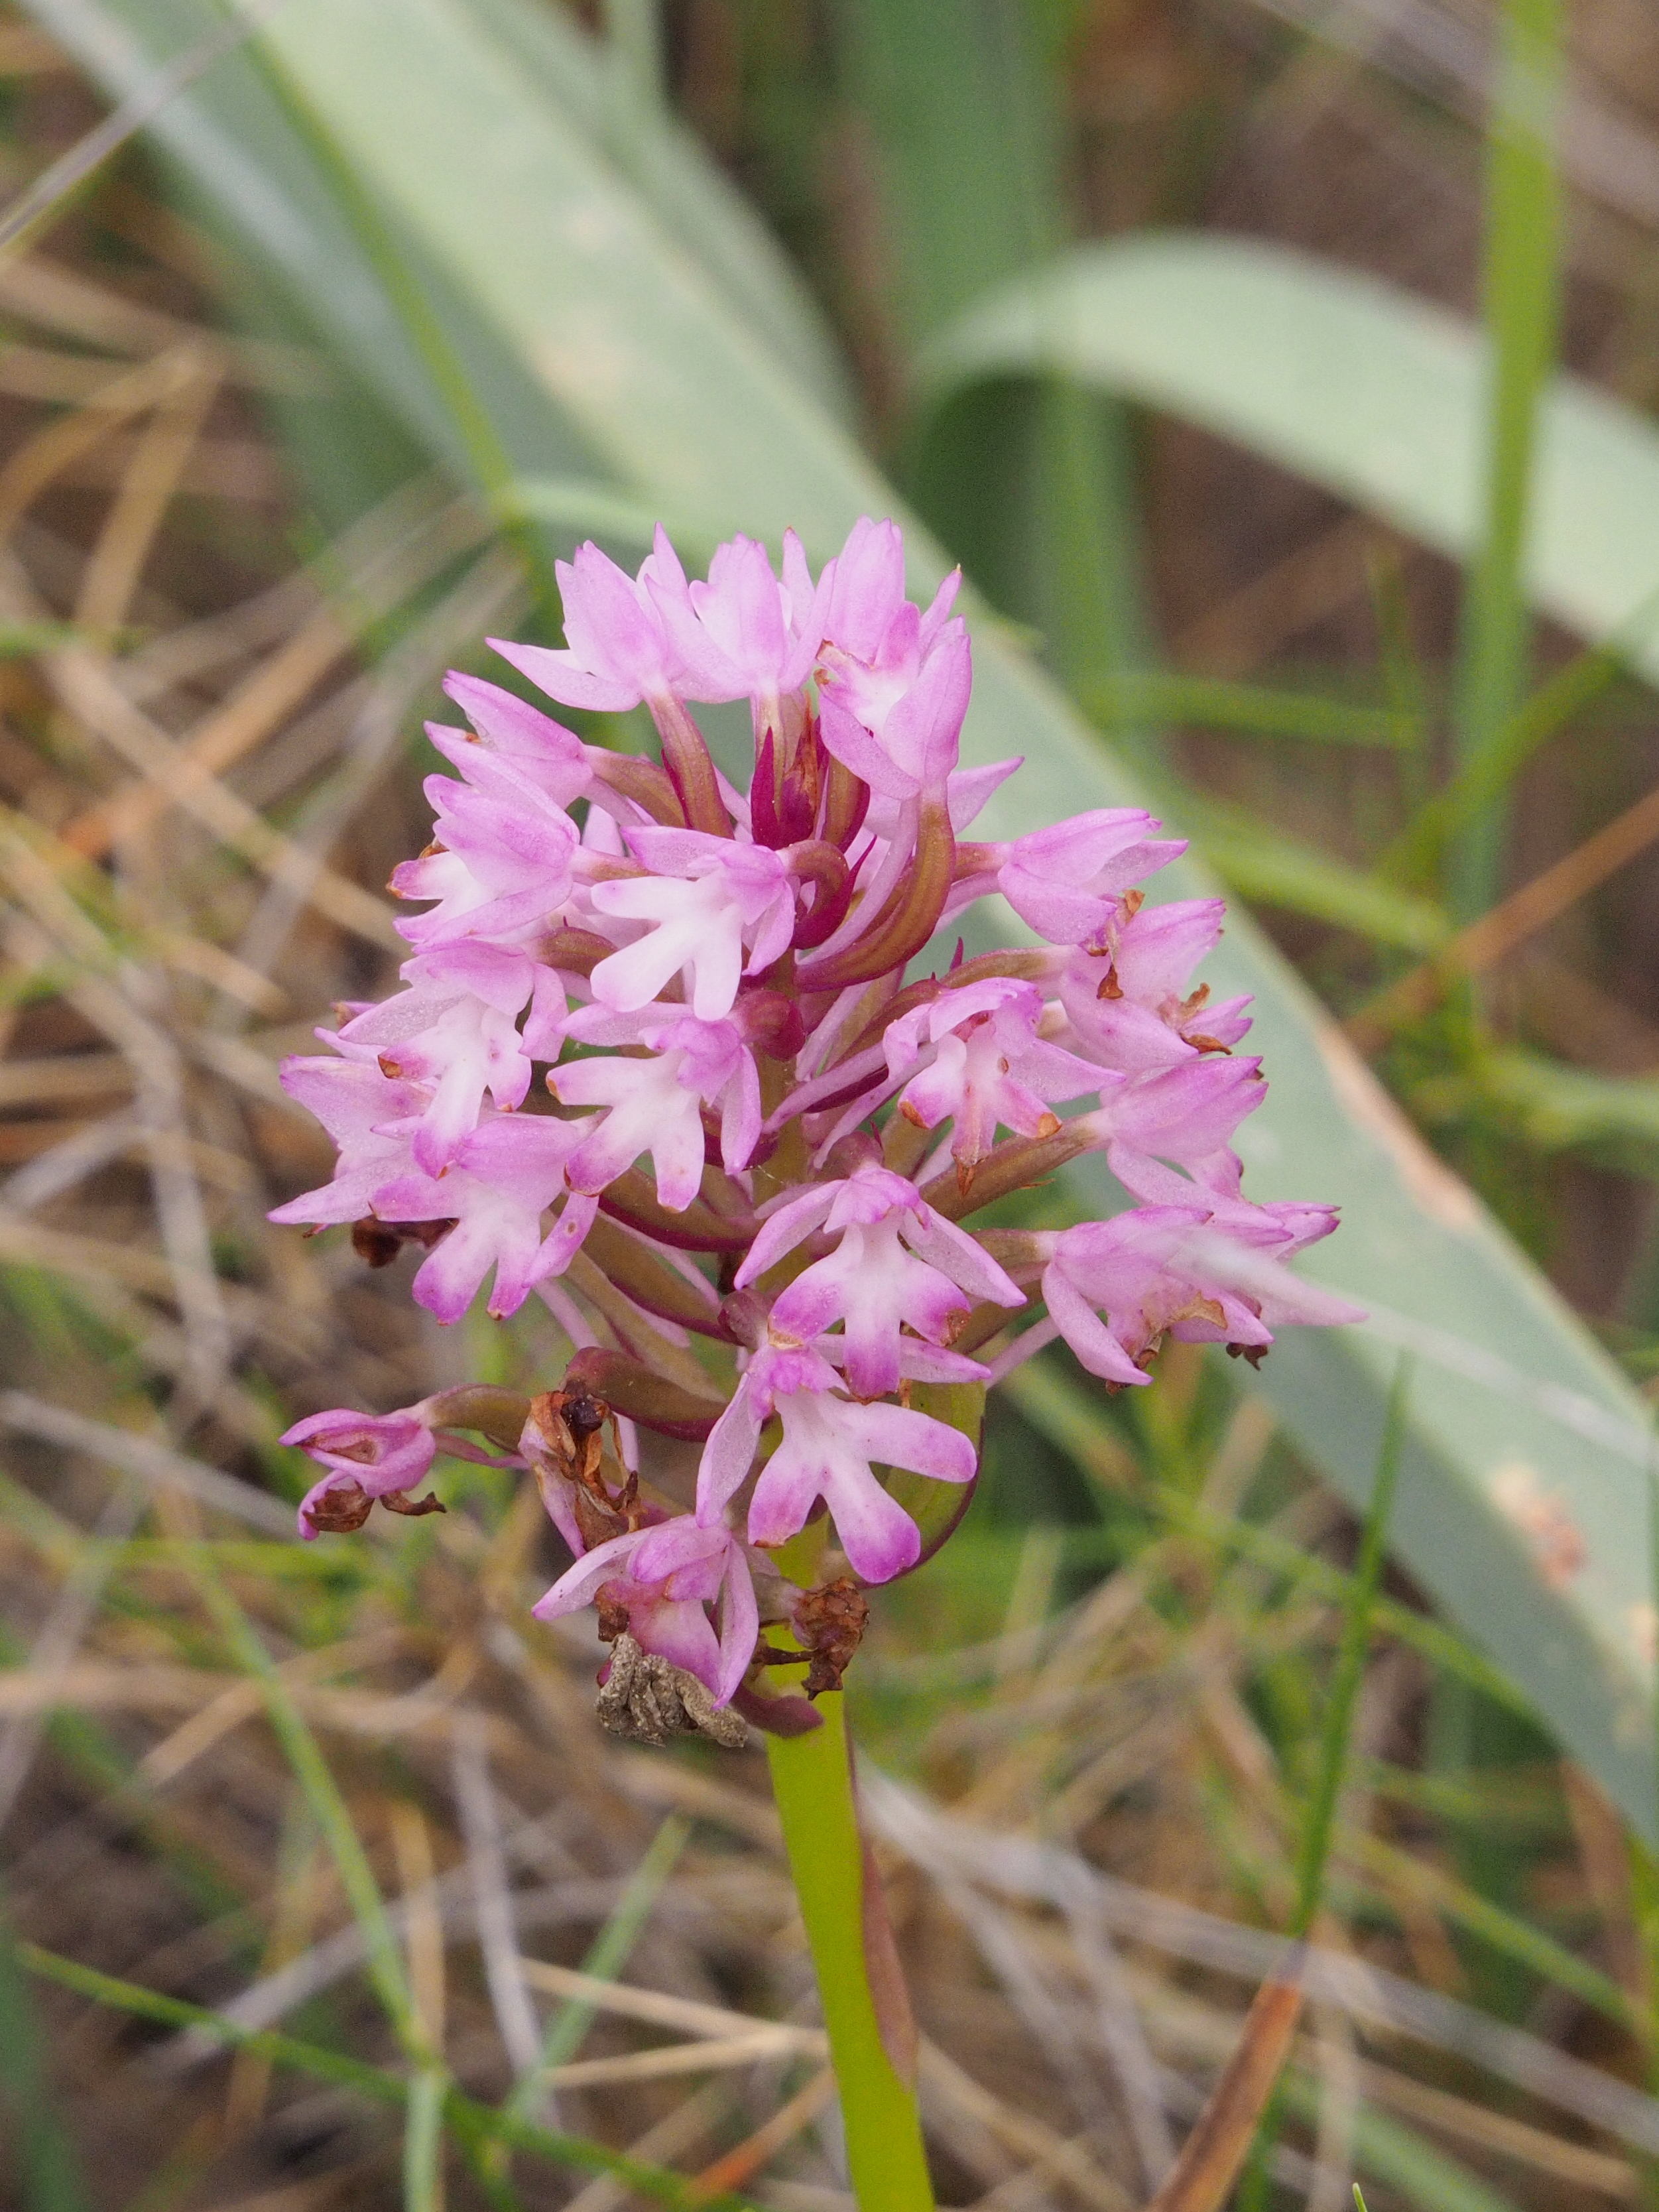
1135	697
61	181
423	2142
1422	2175
1514	1939
1319	1819
1058	1406
1482	779
1275	870
476	2124
47	2167
328	1809
1551	1106
1320	1823
21	640
1521	307
567	2028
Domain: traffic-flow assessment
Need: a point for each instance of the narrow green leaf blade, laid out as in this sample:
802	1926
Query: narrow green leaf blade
1367	390
48	2171
1276	870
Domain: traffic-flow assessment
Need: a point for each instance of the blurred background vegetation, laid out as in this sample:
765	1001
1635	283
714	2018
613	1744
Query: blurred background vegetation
1282	373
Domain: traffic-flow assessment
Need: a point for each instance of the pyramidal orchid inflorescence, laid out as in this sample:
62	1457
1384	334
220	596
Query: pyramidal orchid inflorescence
657	1061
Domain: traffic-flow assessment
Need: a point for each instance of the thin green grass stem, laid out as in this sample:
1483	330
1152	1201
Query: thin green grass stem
1314	1857
812	1782
567	2028
423	2142
475	2126
1319	1824
423	2118
328	1809
1481	781
1132	698
1058	1409
1087	541
47	2167
1520	288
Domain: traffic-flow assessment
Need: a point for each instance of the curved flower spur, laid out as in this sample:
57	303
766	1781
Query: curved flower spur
751	1129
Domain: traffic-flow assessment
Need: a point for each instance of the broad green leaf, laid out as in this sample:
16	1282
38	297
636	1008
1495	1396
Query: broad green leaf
585	316
1370	392
685	191
1030	488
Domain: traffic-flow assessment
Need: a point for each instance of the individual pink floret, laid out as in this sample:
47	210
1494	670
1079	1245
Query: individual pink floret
1172	1270
744	633
913	749
656	1104
504	1178
369	1117
898	1263
618	651
455	1029
716	910
1067	881
665	1577
1185	1115
502	864
381	1455
1127	996
990	1069
829	1448
517	736
875	639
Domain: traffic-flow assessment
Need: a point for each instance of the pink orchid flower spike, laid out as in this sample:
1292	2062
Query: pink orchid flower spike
671	1057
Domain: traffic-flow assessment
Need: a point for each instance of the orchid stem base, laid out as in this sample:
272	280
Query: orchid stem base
812	1781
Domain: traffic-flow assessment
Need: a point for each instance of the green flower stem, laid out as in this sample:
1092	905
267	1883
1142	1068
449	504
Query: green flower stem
812	1780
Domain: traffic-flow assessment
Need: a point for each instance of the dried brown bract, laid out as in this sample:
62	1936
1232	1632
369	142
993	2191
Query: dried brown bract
571	1426
341	1510
379	1241
830	1622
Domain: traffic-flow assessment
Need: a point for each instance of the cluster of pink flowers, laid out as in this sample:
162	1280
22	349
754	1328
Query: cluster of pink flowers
656	1039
